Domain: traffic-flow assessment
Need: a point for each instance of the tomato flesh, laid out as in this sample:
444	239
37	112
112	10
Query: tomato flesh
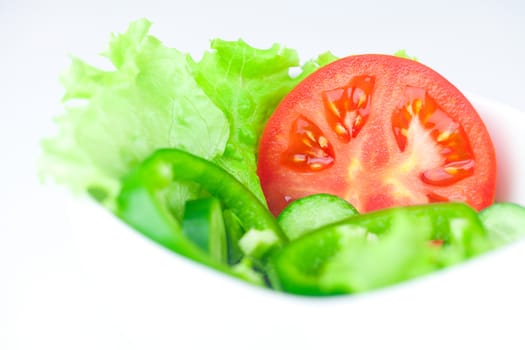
378	131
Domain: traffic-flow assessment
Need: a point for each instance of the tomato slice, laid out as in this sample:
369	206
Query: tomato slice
378	131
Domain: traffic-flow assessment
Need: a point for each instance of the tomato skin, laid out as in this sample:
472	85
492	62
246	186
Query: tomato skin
384	156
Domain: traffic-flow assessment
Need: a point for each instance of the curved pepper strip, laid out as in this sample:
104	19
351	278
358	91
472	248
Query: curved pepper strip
379	248
142	205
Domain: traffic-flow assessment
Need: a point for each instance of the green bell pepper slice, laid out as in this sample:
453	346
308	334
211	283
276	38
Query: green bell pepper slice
203	224
378	249
143	205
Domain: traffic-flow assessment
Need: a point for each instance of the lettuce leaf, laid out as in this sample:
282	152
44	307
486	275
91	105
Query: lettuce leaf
404	54
115	119
247	84
158	97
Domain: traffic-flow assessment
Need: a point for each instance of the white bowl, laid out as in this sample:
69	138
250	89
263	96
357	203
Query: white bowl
126	292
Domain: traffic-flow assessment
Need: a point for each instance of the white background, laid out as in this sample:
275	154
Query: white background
478	45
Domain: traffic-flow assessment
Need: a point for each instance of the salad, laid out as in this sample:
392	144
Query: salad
336	176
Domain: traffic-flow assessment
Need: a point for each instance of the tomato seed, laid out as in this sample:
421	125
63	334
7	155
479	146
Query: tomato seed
299	158
323	142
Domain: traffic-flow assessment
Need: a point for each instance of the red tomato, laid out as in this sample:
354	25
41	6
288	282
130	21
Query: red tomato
379	131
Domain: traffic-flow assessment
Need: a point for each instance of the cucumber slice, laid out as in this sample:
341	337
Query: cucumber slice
203	224
312	212
504	222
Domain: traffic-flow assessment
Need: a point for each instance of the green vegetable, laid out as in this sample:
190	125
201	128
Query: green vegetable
115	119
403	54
258	244
234	232
203	224
143	202
504	222
312	212
247	84
378	249
158	97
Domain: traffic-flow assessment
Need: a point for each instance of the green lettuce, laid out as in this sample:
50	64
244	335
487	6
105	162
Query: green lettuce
404	54
158	97
114	119
247	84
